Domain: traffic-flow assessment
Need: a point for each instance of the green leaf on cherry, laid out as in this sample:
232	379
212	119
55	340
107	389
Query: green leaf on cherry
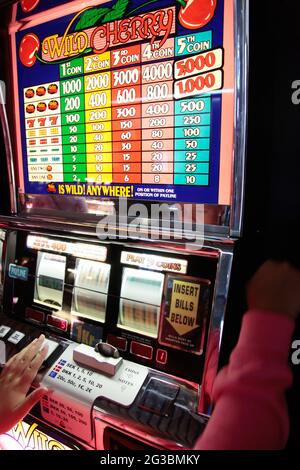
90	18
95	16
117	11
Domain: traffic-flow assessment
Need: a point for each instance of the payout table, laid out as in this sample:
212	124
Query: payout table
136	101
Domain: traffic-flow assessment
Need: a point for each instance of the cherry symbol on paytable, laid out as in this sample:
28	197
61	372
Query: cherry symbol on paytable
197	13
29	46
29	5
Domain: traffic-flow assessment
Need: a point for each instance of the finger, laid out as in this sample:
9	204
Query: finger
8	366
32	368
29	402
10	363
28	354
11	368
39	358
31	350
16	363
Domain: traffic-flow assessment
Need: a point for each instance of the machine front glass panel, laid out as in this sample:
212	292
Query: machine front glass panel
154	306
124	99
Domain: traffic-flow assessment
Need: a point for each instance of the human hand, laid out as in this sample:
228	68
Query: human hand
15	381
275	287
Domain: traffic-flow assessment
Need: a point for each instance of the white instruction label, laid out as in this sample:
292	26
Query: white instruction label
76	388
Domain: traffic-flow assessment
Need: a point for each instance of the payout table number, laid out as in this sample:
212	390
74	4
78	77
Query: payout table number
135	115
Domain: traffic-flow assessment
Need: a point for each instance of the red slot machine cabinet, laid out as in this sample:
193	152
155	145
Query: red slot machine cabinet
126	142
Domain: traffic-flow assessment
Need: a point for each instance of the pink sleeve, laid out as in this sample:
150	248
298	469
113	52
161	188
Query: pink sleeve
249	394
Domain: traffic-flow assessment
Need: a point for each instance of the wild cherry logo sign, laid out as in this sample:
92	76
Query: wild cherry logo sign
80	38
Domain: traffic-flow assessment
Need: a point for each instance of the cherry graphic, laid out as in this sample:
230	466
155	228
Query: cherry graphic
28	5
197	13
29	46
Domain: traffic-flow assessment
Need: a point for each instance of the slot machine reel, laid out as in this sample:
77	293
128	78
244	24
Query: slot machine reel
140	301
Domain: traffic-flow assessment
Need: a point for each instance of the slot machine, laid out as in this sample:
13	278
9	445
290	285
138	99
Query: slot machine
128	123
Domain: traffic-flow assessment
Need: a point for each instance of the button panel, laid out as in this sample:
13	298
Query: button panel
16	337
141	350
34	315
52	346
58	323
4	330
117	342
2	353
161	356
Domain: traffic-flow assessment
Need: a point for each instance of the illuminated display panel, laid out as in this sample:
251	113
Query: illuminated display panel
126	99
83	250
24	436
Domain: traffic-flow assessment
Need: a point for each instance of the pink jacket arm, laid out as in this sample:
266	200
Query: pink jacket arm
249	394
